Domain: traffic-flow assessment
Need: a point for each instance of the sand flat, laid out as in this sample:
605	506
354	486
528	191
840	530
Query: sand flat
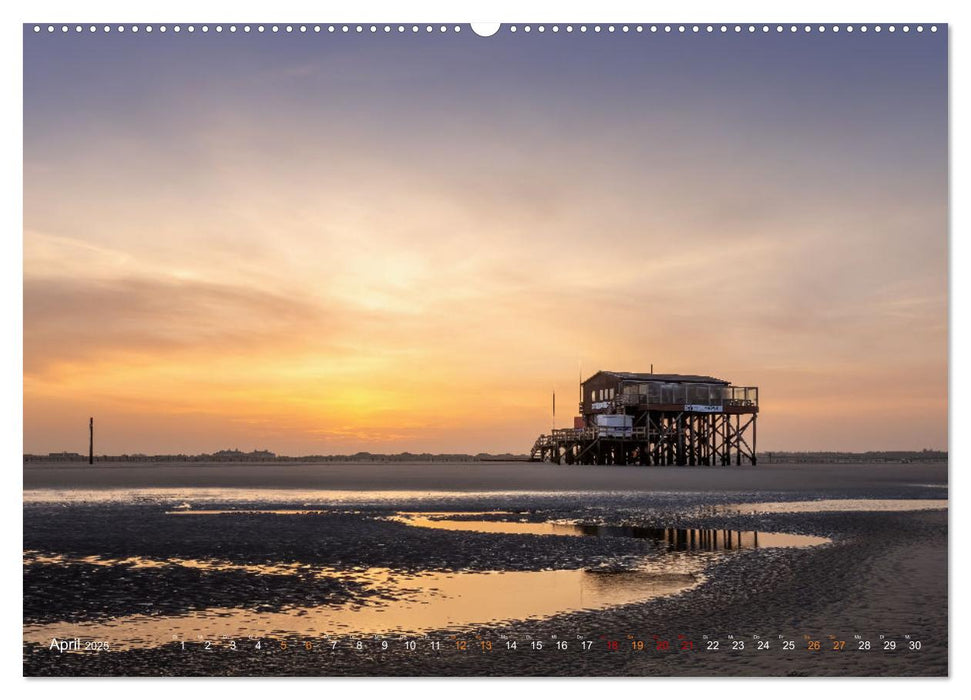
838	504
480	476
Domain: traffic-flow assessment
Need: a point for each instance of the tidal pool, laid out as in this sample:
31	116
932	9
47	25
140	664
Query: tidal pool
425	601
670	539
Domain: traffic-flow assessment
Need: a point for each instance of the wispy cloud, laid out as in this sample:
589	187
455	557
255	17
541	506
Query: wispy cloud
411	244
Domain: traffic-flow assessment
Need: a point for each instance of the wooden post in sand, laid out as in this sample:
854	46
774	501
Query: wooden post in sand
91	441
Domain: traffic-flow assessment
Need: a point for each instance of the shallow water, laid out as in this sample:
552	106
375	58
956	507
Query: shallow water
275	569
683	539
314	497
428	600
832	505
670	539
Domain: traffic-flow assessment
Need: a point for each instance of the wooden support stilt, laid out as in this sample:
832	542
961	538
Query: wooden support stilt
738	442
657	438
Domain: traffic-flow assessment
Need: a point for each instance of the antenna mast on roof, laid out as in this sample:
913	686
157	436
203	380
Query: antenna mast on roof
580	380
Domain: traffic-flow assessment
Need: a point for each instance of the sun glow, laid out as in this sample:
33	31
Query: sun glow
414	266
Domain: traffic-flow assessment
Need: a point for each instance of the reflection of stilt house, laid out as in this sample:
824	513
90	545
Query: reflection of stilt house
656	419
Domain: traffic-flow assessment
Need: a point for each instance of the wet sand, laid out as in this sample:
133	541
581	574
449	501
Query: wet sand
480	476
881	572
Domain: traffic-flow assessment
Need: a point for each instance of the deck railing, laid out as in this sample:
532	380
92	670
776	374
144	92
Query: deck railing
566	434
688	394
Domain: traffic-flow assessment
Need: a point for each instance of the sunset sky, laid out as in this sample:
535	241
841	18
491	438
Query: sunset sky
326	243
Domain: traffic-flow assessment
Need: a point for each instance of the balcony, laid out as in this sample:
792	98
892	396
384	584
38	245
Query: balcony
686	395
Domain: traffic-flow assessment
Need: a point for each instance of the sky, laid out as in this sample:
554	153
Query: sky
326	243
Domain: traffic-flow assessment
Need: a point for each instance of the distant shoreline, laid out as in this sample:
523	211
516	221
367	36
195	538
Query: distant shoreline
264	457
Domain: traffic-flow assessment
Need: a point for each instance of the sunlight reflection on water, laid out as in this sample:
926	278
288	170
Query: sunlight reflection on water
428	600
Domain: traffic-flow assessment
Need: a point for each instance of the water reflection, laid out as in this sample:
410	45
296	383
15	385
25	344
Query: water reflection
673	539
308	497
424	602
698	539
832	505
670	539
409	603
274	569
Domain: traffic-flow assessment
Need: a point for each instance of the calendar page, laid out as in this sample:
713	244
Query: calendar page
552	350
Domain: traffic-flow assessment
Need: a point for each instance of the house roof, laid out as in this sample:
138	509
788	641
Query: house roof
649	377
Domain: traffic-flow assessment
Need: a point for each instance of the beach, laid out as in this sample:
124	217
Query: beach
136	551
480	476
